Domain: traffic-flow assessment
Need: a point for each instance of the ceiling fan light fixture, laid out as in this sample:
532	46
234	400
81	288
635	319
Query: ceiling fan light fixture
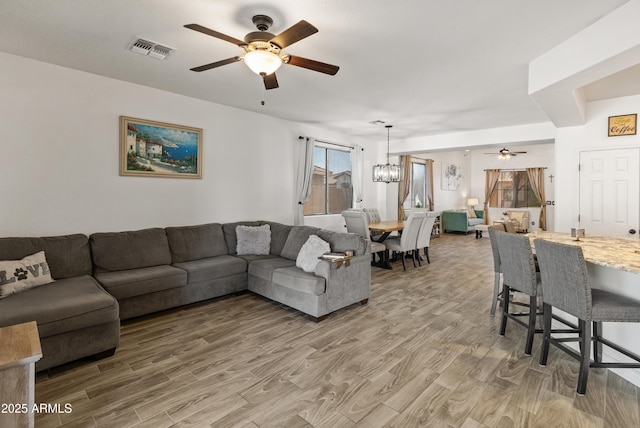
262	62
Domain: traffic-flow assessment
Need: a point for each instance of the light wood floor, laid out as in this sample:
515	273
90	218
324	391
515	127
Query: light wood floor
423	352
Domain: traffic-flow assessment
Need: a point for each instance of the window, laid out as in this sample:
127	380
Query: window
514	191
418	185
331	189
420	195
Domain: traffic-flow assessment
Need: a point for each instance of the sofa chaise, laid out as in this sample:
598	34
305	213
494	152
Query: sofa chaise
113	276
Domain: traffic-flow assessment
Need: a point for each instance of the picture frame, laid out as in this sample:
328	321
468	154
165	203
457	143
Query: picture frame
452	177
158	149
622	125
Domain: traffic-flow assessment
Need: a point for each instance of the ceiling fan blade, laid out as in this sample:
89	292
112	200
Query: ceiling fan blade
522	153
216	64
294	34
270	81
313	65
213	33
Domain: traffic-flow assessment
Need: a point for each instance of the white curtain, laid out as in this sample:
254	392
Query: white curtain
303	178
356	175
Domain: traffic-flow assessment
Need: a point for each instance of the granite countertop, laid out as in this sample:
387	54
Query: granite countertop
616	253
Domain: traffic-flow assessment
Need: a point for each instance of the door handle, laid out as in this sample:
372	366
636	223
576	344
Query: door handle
632	231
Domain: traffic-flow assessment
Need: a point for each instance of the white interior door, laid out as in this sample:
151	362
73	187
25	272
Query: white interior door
610	192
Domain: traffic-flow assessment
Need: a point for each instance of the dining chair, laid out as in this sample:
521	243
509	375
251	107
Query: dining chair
357	222
518	273
408	240
424	235
566	285
497	270
373	216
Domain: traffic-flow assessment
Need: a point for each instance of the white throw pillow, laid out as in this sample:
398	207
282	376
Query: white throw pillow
19	275
312	249
253	240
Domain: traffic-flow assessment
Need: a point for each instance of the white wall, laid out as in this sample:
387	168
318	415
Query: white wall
59	133
450	199
592	136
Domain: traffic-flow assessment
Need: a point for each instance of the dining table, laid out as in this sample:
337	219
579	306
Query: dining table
384	228
380	231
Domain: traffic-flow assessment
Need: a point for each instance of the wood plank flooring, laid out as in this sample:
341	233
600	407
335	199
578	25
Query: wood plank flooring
423	352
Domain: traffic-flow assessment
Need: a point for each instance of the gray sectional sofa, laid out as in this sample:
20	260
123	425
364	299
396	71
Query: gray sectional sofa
108	277
76	317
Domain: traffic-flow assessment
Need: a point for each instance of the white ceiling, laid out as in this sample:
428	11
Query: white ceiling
426	67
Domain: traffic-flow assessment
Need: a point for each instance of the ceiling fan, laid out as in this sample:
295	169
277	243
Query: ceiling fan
504	153
263	50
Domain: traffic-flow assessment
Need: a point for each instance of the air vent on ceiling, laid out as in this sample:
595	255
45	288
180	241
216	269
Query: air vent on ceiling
150	48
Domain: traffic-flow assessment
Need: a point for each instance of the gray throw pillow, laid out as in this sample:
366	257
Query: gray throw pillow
253	240
310	251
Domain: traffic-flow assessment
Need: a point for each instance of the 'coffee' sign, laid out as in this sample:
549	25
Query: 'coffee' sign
622	125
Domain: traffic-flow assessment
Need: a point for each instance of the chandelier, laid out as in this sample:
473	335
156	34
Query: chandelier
388	173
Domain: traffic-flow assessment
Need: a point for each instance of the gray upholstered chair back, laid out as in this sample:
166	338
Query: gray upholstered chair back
373	215
517	263
565	281
424	234
494	245
356	222
409	237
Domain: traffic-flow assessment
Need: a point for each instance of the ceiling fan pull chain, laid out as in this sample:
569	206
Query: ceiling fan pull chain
263	92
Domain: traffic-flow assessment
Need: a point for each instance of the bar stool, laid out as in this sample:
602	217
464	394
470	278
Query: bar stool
519	274
566	286
496	265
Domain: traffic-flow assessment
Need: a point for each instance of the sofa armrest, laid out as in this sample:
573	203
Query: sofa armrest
454	221
346	285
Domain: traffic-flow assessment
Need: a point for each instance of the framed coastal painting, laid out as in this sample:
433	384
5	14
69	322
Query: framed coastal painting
158	149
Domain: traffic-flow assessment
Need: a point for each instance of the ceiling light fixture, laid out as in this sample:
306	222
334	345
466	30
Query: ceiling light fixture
387	173
262	62
504	154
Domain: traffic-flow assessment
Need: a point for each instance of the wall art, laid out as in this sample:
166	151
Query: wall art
158	149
